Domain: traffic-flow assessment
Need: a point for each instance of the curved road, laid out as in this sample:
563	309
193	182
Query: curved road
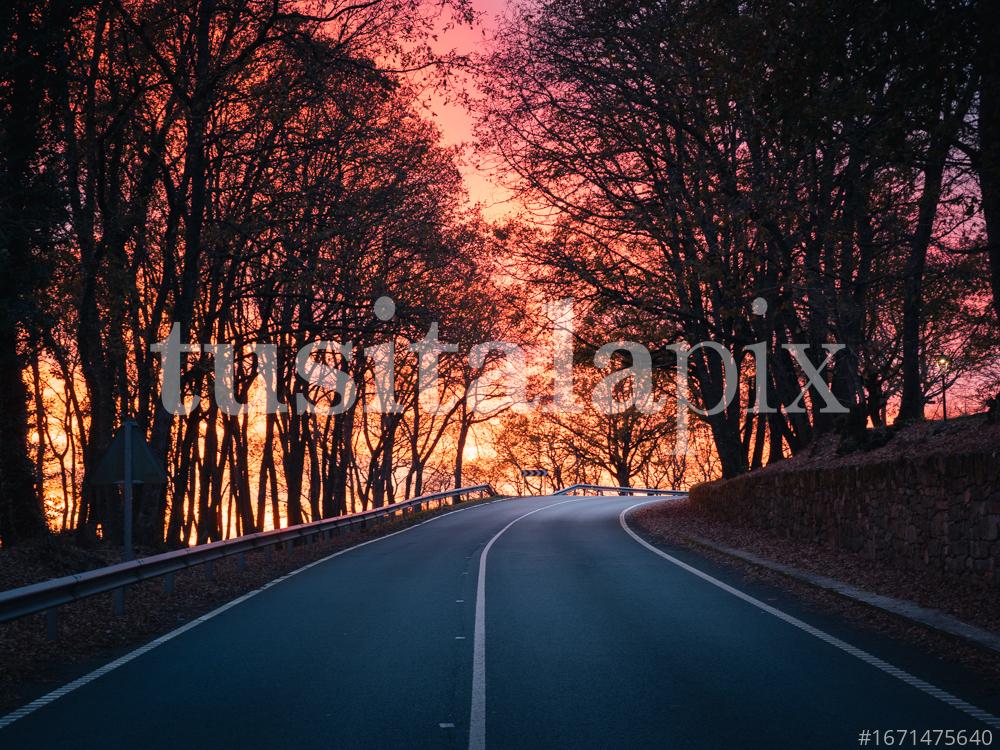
574	634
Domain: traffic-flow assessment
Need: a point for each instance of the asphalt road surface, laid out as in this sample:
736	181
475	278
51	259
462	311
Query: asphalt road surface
571	633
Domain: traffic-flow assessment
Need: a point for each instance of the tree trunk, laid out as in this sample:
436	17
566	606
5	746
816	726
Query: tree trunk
463	436
622	475
989	139
21	515
912	403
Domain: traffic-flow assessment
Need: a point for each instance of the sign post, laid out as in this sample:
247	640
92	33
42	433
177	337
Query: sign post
128	462
128	553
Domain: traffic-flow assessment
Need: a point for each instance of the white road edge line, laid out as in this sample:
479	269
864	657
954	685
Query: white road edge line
48	698
477	712
870	659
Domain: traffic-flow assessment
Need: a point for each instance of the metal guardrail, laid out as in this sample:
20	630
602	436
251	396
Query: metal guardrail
601	489
48	595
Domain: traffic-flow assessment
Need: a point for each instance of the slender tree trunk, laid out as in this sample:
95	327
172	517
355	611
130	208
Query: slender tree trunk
266	462
911	405
293	461
40	431
463	436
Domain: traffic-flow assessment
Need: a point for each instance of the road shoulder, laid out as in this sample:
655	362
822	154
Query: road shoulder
670	526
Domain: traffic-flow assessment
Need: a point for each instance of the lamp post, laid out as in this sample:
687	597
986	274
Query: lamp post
944	362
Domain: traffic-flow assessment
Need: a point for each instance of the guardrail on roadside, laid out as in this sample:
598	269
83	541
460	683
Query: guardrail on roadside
47	596
601	489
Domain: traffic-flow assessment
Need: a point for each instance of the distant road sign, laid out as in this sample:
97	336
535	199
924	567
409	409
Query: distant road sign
534	473
129	461
129	441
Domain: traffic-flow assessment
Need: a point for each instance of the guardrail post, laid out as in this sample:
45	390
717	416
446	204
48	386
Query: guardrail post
168	583
119	601
52	624
210	570
241	561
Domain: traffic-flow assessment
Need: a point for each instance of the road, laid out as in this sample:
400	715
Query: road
573	634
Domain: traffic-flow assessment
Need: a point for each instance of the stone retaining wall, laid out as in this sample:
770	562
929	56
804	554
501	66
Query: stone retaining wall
942	512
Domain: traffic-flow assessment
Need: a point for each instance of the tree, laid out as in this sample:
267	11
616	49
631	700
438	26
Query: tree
687	158
248	172
987	157
28	216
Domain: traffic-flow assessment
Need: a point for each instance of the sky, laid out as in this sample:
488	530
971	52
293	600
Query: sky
456	123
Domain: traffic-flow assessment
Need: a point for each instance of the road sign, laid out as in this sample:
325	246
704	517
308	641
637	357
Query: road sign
129	461
534	473
114	466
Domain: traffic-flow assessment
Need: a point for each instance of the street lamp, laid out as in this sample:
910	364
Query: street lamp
943	362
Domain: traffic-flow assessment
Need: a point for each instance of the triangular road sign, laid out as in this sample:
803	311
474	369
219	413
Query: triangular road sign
145	468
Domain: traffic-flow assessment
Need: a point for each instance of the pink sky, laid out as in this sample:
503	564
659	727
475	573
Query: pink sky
455	122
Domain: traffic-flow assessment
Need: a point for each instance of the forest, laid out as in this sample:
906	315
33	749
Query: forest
265	171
